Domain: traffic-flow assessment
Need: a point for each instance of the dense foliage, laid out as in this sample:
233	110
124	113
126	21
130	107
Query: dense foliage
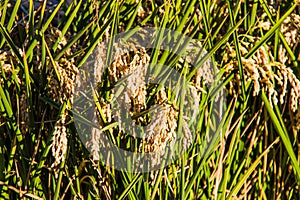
253	43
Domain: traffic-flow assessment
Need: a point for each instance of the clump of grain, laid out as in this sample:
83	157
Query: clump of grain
95	143
61	77
187	135
99	65
295	87
61	85
97	140
205	74
128	70
159	133
7	61
131	64
162	96
266	74
67	72
289	29
60	140
140	14
135	91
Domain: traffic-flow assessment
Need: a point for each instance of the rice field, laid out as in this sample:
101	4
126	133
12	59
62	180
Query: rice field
128	99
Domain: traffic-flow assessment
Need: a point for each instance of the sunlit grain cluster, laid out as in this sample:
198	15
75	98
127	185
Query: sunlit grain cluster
266	74
61	78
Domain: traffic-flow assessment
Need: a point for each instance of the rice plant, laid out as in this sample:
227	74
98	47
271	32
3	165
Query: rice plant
248	49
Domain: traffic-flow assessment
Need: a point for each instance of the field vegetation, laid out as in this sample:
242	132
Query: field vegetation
254	49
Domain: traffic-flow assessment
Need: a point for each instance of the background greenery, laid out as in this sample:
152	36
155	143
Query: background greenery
257	155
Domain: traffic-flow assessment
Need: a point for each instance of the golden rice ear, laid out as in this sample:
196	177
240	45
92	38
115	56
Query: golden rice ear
99	65
162	96
266	74
61	91
135	67
95	143
295	89
96	138
290	30
68	72
205	72
60	140
159	133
